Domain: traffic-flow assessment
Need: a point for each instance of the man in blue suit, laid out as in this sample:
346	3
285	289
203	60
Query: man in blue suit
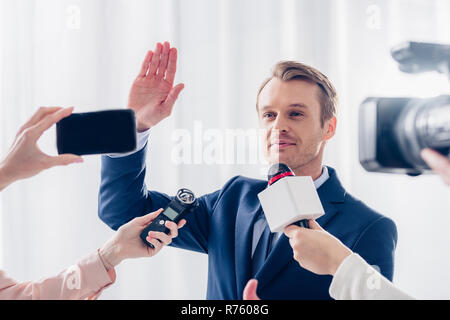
296	108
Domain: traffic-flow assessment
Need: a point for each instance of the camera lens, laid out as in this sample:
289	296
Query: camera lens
424	123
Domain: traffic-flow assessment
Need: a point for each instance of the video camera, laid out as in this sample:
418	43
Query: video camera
393	131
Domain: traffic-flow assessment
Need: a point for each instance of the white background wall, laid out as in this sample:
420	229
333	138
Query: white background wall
86	54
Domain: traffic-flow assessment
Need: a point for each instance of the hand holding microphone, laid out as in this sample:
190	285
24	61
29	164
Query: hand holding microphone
289	199
289	205
315	249
289	202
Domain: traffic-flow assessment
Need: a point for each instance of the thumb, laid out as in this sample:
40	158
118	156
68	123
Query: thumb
250	290
173	95
64	160
145	220
314	225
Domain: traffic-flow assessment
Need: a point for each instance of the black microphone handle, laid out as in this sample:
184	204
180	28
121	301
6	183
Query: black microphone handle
302	223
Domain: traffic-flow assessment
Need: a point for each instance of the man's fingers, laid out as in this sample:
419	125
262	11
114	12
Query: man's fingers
49	120
155	60
250	290
37	116
145	64
164	59
171	66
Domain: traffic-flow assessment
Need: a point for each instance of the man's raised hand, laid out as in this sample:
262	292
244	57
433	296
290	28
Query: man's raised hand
153	94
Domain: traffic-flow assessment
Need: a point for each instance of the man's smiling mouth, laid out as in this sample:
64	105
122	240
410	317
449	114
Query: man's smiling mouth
281	144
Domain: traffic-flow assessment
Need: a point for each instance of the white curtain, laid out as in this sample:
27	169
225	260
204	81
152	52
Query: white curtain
86	53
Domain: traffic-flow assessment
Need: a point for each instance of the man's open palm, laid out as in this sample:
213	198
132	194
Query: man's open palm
153	95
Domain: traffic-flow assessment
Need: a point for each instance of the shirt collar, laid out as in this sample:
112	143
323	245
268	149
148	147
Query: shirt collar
323	177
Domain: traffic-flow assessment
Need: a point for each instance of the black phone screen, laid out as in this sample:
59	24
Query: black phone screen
109	131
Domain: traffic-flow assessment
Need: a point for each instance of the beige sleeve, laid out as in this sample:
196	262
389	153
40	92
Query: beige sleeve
85	280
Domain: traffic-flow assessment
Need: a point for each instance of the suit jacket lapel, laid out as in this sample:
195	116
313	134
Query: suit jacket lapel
330	192
245	220
282	253
278	258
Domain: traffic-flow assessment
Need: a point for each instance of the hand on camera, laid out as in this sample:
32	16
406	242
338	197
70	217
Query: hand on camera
438	163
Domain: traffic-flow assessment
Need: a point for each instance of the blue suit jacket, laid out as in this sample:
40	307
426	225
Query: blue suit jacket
222	227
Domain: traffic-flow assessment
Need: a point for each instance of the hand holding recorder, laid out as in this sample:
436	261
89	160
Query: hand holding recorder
126	243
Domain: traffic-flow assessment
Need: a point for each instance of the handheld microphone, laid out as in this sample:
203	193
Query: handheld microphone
278	171
289	199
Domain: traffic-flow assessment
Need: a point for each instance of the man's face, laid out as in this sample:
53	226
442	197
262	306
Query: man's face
289	113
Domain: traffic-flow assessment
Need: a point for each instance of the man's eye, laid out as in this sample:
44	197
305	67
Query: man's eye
267	115
296	114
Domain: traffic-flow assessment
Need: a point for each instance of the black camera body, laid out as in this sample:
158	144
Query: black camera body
393	131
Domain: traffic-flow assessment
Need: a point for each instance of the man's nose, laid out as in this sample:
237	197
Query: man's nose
280	124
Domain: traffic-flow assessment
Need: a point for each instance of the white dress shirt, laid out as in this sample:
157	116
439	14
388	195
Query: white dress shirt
141	140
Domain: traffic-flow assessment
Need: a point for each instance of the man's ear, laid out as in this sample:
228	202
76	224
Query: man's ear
330	128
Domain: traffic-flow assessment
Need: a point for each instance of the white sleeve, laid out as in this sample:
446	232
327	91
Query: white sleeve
141	140
355	279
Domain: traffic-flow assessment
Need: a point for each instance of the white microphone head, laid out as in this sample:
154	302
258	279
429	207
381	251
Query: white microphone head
292	199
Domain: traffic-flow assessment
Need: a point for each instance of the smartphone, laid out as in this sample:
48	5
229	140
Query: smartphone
108	131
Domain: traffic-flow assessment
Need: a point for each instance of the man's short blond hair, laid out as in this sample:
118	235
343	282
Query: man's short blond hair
292	70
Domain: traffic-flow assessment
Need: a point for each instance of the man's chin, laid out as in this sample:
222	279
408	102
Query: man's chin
280	158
